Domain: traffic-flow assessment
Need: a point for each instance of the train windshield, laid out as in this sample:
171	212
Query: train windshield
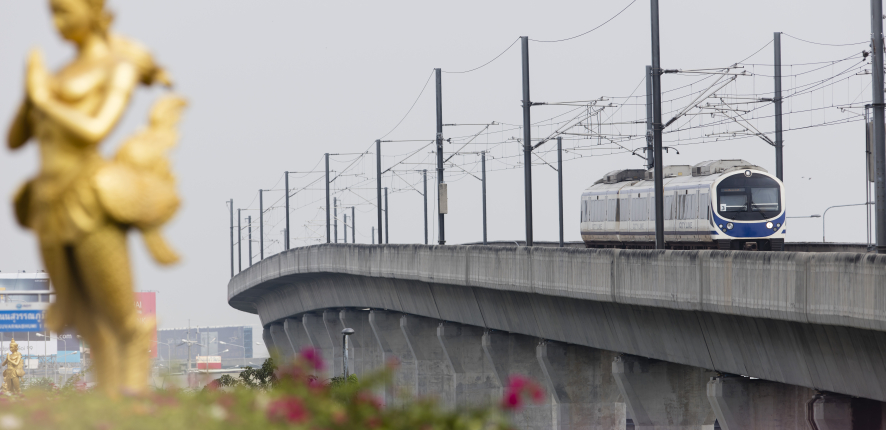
744	198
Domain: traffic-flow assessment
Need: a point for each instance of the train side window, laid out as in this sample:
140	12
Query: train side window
703	205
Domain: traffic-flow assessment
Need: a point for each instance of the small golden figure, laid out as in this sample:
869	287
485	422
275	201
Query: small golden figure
81	205
15	369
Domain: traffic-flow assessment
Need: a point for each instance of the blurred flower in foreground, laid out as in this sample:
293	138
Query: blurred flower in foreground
518	388
287	409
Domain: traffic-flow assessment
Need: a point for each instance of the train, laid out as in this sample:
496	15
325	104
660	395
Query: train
718	204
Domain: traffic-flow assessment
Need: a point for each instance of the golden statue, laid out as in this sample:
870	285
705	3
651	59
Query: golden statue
15	369
81	205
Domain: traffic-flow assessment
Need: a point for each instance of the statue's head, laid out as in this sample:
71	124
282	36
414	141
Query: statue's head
78	19
13	346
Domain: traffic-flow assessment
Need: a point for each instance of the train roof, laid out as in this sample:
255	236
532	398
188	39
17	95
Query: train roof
703	173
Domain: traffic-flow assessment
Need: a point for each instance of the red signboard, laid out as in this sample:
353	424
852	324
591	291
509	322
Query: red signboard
146	305
208	362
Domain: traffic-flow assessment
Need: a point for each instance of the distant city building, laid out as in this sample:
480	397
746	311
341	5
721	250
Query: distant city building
228	342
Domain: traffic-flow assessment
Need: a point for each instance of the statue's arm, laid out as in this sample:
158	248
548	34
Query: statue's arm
92	128
20	129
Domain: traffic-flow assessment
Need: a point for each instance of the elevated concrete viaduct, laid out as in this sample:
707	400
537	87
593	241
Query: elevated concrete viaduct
668	339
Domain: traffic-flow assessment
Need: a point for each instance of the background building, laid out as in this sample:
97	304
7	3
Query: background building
233	343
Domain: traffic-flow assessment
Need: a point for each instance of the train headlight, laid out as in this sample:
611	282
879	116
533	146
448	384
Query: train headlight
769	225
729	226
721	226
777	225
747	173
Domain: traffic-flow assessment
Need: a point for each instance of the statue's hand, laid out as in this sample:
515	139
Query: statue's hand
38	79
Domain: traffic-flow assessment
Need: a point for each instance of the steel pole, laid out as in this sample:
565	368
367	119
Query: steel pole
387	230
353	234
483	167
249	223
345	228
440	216
373	235
239	240
527	141
328	233
231	208
879	142
286	238
650	156
335	220
656	130
261	225
779	169
424	175
560	183
378	185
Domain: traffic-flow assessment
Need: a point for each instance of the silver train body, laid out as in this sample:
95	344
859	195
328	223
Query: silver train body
721	204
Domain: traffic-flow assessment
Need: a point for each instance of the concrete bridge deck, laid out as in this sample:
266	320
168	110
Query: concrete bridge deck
815	321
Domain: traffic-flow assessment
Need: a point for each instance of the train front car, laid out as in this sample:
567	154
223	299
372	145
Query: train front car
719	204
748	210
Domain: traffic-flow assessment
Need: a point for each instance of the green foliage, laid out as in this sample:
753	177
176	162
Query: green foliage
263	377
266	398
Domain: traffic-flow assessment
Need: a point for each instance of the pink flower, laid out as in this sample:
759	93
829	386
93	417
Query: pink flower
511	400
289	409
517	382
312	356
519	387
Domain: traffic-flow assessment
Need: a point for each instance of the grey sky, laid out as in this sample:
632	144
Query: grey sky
275	84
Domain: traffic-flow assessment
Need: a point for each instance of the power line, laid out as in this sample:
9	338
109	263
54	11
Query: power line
589	31
826	44
488	62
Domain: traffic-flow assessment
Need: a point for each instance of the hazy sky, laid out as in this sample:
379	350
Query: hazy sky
273	85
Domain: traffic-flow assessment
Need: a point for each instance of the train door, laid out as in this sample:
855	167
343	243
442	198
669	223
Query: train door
624	216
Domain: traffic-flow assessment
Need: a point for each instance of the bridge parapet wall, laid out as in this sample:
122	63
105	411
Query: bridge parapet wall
843	289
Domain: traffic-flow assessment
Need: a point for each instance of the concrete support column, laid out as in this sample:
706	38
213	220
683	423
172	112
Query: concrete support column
267	339
281	342
319	339
743	403
664	396
295	332
333	329
511	354
392	343
365	352
433	377
838	412
584	391
472	374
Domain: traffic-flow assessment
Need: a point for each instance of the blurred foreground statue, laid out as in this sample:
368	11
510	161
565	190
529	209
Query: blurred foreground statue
81	205
15	369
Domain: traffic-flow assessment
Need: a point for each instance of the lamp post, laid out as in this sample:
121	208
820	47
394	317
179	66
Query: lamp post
837	206
238	346
344	344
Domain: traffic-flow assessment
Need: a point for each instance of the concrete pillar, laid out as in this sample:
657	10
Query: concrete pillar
366	356
433	377
295	332
333	329
281	343
838	412
584	391
663	395
392	343
743	403
268	340
511	354
472	374
319	338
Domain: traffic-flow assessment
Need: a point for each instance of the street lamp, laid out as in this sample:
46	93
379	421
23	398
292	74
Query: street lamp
837	206
168	351
238	346
344	357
